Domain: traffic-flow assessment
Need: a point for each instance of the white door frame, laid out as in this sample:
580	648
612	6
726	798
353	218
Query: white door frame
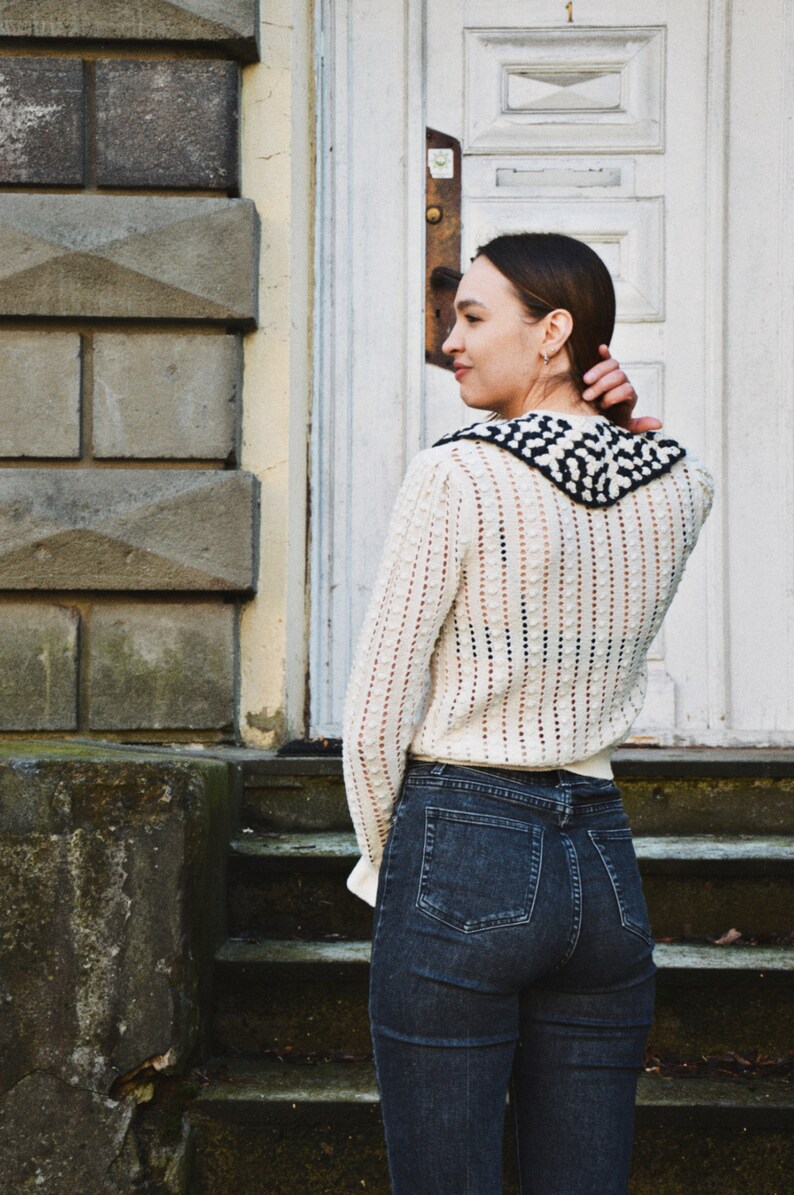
369	266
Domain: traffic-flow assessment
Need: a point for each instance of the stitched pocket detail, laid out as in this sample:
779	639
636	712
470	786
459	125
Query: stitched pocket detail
479	871
616	850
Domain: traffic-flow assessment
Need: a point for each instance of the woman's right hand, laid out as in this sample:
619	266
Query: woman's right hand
613	394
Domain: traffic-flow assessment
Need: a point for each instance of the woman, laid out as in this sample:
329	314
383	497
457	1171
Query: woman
529	564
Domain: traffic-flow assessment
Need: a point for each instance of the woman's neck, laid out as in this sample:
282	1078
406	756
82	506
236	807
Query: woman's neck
558	406
561	400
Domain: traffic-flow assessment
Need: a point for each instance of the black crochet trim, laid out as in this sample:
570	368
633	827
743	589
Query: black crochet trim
594	462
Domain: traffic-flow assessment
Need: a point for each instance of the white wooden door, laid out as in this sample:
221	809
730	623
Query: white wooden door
595	127
603	119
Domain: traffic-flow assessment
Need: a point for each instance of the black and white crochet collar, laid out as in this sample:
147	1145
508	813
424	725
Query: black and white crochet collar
590	459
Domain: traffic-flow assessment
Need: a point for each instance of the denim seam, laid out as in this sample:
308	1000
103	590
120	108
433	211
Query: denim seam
513	1101
576	899
568	805
625	920
479	819
386	868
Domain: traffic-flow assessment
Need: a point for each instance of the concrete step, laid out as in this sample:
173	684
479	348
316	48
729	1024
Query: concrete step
282	1128
665	791
312	996
739	855
292	884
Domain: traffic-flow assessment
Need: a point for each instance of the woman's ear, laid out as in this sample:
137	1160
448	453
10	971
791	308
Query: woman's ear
559	325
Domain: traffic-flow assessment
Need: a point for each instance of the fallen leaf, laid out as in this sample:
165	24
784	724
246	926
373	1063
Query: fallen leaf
728	939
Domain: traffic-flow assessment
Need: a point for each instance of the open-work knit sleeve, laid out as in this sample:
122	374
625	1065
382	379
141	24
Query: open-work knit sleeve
415	587
706	483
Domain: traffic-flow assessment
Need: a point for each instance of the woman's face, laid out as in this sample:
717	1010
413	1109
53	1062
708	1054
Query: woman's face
498	353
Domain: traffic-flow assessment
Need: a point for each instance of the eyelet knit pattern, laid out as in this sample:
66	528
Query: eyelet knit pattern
529	612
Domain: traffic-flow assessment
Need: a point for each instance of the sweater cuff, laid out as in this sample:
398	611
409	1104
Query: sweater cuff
363	880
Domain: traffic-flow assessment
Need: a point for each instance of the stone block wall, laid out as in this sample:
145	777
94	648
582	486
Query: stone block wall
128	274
113	867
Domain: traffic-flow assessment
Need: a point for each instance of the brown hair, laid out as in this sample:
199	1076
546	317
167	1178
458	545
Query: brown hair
547	271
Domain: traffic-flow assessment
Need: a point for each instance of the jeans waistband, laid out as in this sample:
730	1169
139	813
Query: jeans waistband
550	789
546	778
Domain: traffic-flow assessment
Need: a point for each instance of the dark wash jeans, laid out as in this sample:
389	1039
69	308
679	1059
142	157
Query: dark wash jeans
511	947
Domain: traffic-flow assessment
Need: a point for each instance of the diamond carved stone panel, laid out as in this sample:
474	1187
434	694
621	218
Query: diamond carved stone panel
626	233
557	90
227	23
134	529
128	257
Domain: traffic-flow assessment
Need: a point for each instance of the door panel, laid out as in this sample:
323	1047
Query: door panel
563	89
626	234
660	132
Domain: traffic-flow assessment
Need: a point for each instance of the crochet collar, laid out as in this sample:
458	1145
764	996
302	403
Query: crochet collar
591	460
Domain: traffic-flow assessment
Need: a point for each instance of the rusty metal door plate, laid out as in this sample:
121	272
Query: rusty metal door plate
442	242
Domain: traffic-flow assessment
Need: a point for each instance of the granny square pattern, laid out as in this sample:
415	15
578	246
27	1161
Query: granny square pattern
591	460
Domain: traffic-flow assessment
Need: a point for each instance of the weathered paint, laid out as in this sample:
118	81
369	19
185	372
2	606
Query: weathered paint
277	148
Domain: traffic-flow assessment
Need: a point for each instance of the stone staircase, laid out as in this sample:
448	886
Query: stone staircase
291	1105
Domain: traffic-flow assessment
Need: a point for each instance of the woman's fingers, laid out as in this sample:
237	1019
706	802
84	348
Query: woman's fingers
645	423
608	385
597	373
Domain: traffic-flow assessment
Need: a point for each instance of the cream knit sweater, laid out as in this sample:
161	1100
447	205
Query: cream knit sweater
527	596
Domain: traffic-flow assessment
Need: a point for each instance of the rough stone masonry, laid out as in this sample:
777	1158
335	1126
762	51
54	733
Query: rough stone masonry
128	273
112	863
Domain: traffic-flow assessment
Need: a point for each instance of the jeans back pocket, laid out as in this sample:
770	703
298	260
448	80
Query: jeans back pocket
479	871
616	849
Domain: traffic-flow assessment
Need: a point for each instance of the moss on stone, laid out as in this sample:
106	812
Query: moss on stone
111	912
709	805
